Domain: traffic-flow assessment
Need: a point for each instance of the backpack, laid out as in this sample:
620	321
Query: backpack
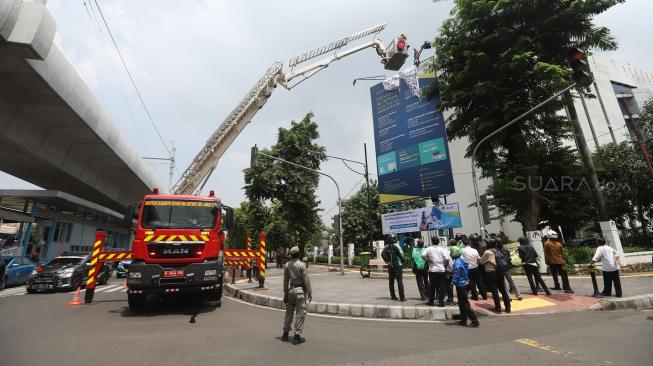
502	262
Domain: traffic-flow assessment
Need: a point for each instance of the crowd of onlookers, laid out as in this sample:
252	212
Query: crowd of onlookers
478	266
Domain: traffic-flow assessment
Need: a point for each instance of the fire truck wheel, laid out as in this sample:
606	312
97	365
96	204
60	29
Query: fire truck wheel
136	301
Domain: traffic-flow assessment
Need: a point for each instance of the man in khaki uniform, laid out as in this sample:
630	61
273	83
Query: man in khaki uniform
553	257
296	290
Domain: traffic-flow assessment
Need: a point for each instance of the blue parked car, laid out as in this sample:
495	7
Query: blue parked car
16	271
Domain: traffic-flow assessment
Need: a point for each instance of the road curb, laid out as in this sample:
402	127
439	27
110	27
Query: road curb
640	302
352	310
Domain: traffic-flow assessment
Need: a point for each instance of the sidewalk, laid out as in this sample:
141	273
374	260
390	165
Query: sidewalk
352	295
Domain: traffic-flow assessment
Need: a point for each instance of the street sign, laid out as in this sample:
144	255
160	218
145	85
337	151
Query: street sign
412	152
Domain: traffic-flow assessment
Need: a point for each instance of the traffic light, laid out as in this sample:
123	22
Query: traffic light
580	67
252	161
487	207
336	224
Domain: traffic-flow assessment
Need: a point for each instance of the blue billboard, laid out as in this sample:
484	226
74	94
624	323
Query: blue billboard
412	153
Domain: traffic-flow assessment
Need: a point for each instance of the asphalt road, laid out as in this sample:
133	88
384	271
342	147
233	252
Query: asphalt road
42	329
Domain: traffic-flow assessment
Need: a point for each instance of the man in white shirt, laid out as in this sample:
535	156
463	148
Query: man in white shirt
610	267
470	256
438	259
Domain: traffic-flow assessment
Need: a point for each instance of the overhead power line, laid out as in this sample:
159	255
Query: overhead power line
131	79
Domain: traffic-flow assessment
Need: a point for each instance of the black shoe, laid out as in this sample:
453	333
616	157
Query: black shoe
508	310
284	337
402	300
441	305
548	293
297	339
461	323
430	304
497	310
557	288
395	298
474	324
569	291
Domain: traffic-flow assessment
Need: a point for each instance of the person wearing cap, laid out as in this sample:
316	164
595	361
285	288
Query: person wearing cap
528	257
556	262
460	280
393	256
296	290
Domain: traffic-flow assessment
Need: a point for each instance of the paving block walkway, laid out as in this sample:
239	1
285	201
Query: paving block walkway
331	288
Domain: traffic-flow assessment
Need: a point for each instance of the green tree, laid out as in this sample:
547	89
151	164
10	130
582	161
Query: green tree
499	58
357	222
627	186
291	189
251	216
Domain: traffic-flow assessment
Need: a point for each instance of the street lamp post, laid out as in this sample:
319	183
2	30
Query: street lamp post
342	260
474	179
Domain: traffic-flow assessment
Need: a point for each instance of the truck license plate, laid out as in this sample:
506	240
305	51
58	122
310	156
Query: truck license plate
173	273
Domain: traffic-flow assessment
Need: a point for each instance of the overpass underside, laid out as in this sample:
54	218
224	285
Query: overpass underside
53	131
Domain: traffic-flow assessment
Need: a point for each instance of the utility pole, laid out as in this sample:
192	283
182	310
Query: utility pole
369	201
589	119
586	156
171	160
605	113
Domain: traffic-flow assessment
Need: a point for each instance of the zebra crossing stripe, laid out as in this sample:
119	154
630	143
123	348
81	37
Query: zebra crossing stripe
105	288
15	293
115	289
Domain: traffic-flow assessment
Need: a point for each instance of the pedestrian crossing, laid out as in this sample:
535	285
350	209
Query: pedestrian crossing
17	291
13	291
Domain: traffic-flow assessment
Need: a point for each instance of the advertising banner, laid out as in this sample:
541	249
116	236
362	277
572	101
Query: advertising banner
412	153
445	216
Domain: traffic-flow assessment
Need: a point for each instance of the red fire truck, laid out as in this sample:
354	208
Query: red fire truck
178	246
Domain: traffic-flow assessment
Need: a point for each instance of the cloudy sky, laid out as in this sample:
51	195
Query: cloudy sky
194	60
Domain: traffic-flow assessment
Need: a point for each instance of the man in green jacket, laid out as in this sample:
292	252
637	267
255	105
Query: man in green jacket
420	270
393	256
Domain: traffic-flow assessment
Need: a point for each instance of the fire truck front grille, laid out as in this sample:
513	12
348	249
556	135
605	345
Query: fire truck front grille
170	250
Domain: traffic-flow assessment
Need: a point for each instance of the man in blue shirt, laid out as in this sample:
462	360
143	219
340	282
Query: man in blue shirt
460	280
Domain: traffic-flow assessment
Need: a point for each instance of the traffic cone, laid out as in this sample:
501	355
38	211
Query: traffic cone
75	300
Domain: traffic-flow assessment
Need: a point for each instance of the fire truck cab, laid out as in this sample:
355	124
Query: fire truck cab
178	246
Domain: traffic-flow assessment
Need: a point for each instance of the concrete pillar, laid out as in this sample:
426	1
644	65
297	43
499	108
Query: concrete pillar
50	239
28	231
535	239
330	253
350	253
611	236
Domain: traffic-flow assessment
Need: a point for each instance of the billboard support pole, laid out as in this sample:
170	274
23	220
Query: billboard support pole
473	158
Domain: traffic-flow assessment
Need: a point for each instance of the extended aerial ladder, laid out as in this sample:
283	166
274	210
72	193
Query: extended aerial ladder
198	172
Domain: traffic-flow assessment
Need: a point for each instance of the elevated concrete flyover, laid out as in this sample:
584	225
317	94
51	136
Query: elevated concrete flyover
54	133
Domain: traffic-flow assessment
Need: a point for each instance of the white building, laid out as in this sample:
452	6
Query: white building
621	86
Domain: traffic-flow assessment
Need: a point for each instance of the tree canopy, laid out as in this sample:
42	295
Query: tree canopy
499	58
289	190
